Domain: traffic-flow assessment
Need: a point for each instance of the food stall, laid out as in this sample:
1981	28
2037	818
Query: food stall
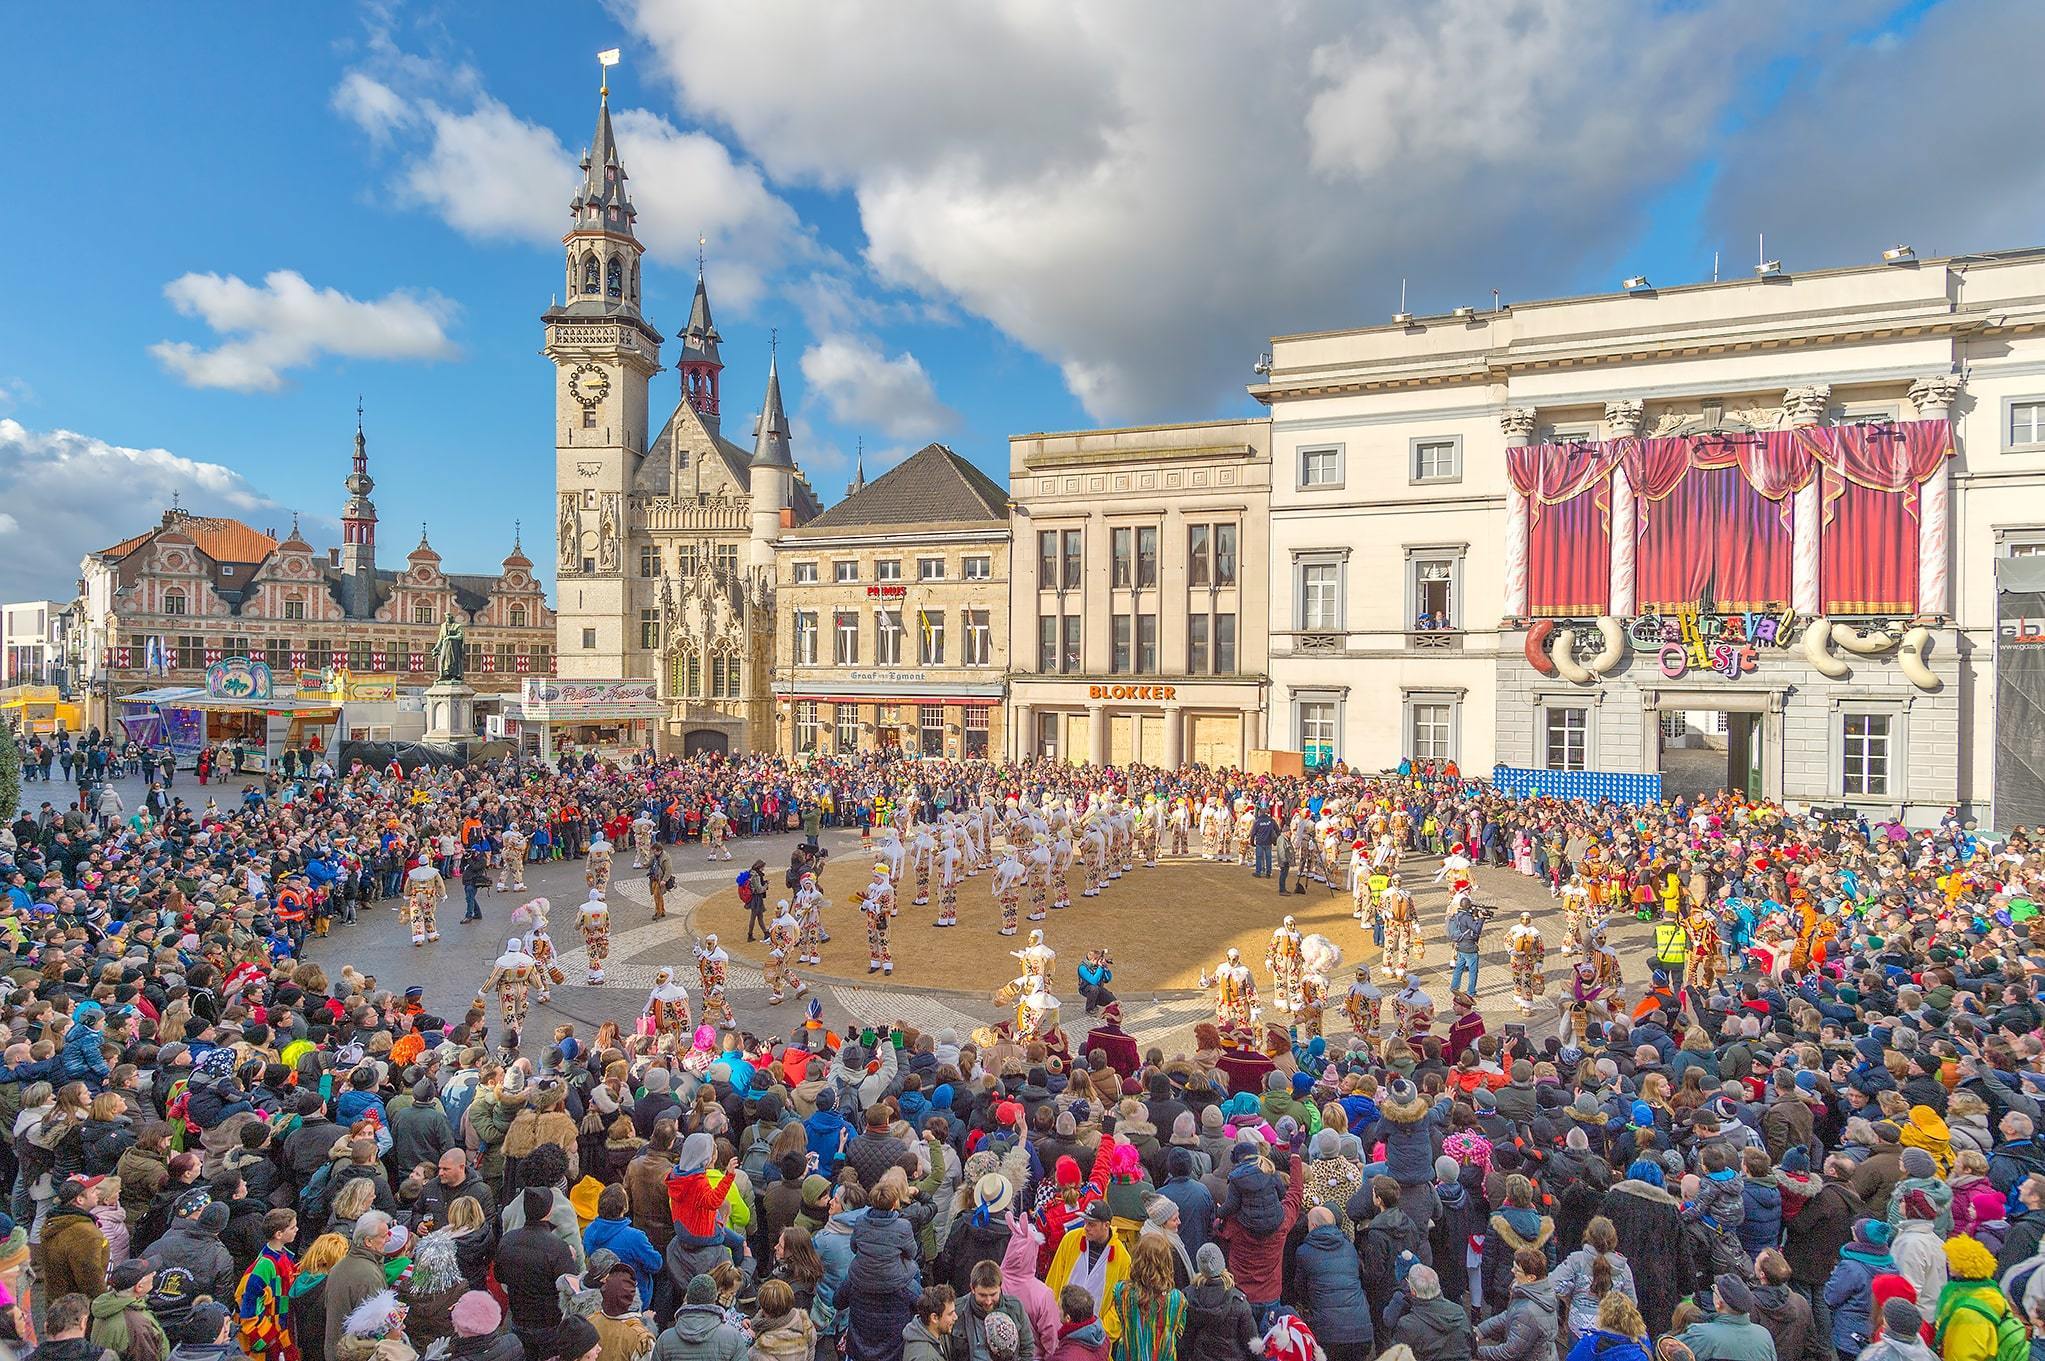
237	704
39	710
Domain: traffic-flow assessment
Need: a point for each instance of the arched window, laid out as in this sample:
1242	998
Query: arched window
589	274
635	281
518	616
174	602
614	279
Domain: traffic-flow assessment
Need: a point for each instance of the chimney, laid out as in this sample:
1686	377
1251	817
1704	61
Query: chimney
788	517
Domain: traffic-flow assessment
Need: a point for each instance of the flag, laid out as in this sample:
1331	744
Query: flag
608	57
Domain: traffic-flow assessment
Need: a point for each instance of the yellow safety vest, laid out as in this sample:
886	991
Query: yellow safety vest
1671	943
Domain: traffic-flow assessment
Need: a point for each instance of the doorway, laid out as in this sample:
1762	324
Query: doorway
1704	751
704	742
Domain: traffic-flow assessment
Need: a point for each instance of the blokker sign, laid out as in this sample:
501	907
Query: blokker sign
1157	692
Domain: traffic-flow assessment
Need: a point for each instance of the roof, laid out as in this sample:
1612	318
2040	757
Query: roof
471	589
770	431
651	478
699	339
219	538
931	486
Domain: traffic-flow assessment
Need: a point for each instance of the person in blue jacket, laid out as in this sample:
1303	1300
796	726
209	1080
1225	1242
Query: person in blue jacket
613	1228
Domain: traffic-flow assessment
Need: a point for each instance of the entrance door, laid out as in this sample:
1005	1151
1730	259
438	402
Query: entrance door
704	741
1121	739
1704	751
1151	749
1217	739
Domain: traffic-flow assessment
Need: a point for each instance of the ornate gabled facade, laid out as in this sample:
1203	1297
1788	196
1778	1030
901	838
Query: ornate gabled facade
664	538
163	605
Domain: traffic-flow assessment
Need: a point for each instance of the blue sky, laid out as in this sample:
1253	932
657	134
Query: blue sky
966	221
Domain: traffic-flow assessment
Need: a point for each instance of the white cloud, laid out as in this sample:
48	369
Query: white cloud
15	392
80	494
286	323
1144	192
493	175
866	389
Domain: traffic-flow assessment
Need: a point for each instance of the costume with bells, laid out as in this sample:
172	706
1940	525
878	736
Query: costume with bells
1403	946
1526	952
1364	1005
809	917
667	1006
878	905
594	917
539	944
511	859
642	839
1282	961
1007	888
1235	992
712	964
716	835
1038	864
597	874
1319	957
784	935
512	977
424	888
951	867
1576	909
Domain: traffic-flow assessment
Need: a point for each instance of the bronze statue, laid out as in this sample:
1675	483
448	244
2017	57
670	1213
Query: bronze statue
450	652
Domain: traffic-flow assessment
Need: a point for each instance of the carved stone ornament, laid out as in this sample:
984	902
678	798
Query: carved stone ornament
1517	422
1936	394
607	534
568	532
1625	416
1807	405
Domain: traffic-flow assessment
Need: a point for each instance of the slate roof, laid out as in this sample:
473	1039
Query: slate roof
931	486
471	589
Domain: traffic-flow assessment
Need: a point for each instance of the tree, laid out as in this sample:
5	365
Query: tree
10	774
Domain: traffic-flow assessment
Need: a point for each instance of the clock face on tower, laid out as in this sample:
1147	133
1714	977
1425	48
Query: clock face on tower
589	384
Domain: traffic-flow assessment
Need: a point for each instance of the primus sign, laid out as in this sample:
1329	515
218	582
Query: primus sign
1151	692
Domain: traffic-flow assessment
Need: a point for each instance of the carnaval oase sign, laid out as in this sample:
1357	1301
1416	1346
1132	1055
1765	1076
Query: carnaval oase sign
1697	638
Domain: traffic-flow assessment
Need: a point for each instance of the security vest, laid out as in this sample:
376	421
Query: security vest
1671	943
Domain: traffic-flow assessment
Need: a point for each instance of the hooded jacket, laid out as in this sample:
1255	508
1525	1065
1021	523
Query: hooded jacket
1327	1274
1218	1325
1524	1330
1652	1241
1437	1330
1849	1294
1787	1317
700	1333
1509	1230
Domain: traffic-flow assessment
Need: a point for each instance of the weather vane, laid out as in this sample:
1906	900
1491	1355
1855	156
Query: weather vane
605	60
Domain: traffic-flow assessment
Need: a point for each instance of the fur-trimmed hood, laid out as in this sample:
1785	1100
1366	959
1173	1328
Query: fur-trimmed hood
1633	1186
1405	1112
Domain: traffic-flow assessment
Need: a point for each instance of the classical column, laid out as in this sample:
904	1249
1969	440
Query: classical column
1097	736
1623	419
1806	406
1175	737
1934	399
1253	732
1023	724
1518	424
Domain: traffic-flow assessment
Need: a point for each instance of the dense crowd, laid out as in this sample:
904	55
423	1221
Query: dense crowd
221	1149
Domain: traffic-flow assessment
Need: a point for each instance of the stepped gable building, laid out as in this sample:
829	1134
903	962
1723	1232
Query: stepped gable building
894	615
664	536
163	605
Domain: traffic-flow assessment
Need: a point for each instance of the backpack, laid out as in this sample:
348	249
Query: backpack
753	1162
745	887
2012	1339
312	1197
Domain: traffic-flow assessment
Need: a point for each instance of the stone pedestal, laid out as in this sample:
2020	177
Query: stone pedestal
451	714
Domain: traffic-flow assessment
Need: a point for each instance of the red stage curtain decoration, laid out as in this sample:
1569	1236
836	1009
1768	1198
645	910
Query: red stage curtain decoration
1868	546
1711	520
1569	525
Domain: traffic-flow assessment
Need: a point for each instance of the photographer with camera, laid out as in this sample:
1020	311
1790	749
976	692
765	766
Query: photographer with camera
1466	932
1095	972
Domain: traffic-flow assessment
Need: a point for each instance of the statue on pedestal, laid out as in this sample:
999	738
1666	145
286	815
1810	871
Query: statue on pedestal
450	651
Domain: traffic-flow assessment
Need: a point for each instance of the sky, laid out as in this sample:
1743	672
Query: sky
961	221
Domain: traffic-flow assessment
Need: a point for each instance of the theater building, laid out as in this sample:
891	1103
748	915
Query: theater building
1738	534
1138	614
894	615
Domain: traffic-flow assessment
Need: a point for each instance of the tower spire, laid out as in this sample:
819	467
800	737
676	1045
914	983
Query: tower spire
770	434
358	530
700	364
858	469
601	202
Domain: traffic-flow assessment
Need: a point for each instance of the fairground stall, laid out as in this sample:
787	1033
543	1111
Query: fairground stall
237	708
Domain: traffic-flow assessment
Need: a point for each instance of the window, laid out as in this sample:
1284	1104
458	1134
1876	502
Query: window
589	418
295	609
977	567
979	638
1073	561
805	725
1070	652
1317	732
1321	467
694	677
319	654
717	668
473	654
930	728
845	637
976	733
1320	594
1047	734
844	571
517	616
1122	553
724	556
232	646
649	560
887	569
588	639
1224	644
804	573
1430	733
1568	729
805	638
1196	555
1047	559
542	655
191	652
1146	644
2024	548
422	613
588	566
649	629
930	637
1198	657
173	602
1119	634
887	637
1146	556
1864	749
277	653
2026	423
1047	644
687	558
930	569
507	659
846	738
1437	460
226	570
1434	593
358	654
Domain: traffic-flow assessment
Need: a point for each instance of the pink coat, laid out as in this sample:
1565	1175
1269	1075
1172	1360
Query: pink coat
1975	1203
1019	1279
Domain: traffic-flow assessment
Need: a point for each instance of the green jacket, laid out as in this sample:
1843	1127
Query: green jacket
115	1317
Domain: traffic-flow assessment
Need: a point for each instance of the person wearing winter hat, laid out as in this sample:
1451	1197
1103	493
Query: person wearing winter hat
1919	1249
1921	1175
122	1318
1900	1338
